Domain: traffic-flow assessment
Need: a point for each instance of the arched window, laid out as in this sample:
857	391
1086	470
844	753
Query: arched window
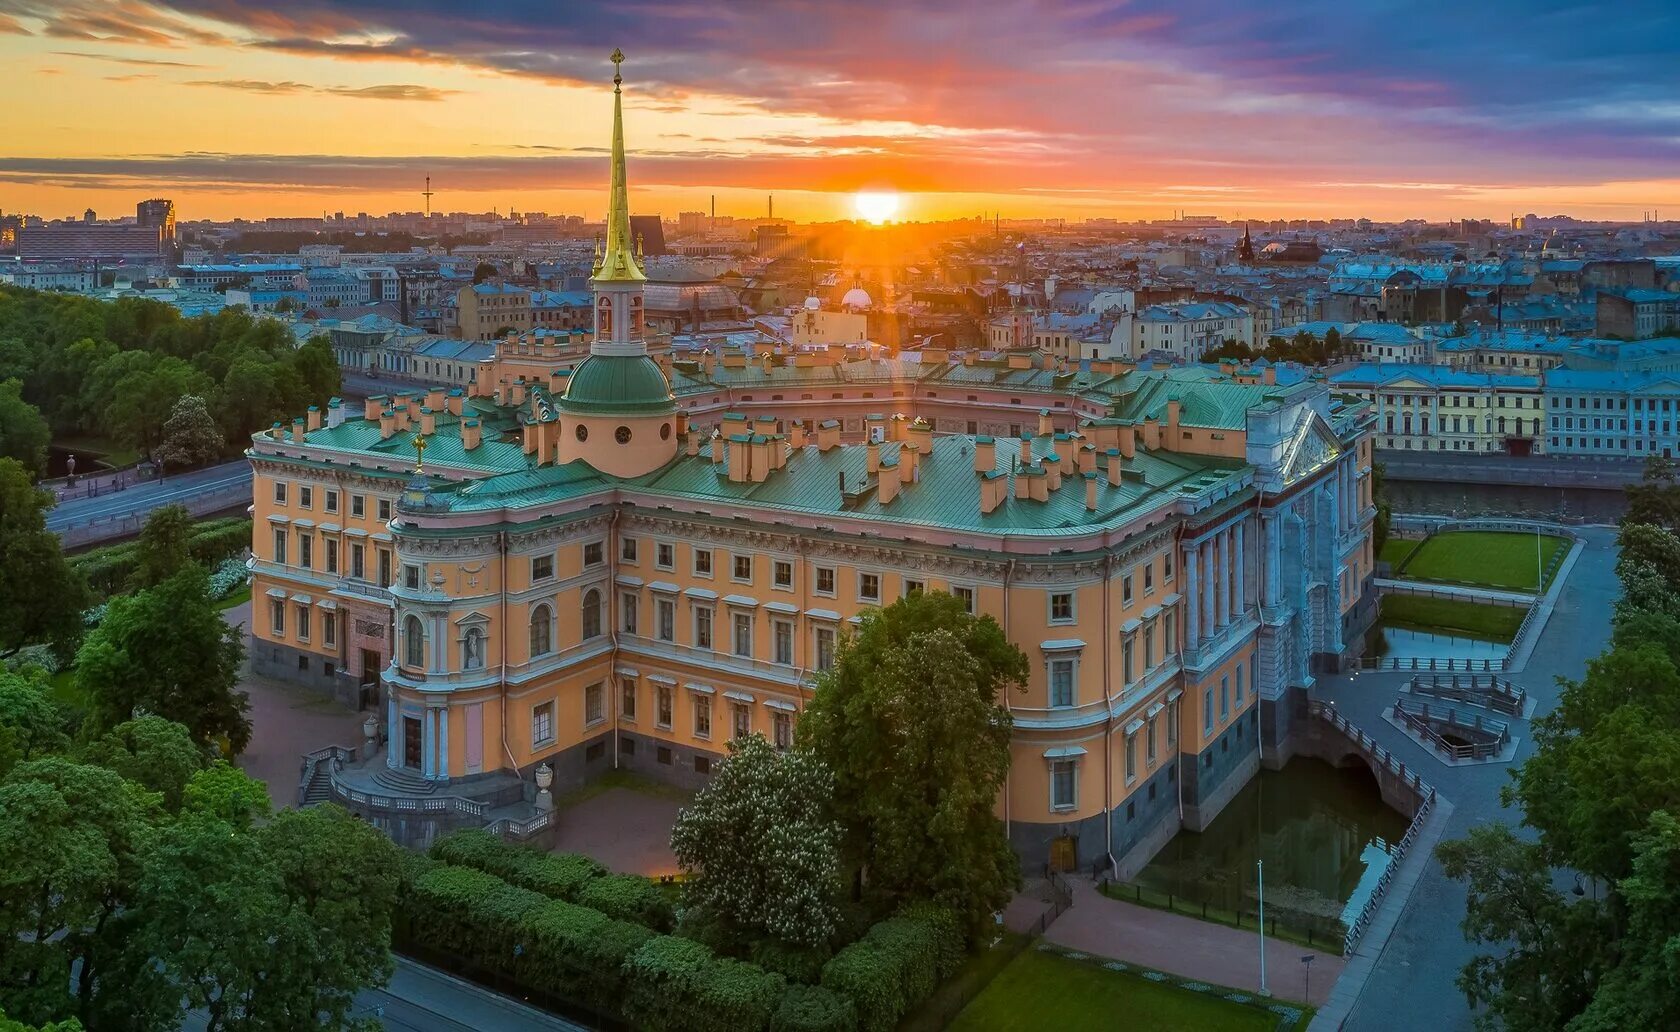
591	614
472	649
542	632
414	643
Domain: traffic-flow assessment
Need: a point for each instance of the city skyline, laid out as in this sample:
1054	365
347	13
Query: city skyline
1091	110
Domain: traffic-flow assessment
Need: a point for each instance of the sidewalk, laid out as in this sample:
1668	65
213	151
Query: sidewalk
1185	946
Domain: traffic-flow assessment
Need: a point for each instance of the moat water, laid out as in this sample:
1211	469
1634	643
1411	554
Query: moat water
1403	643
1325	836
1470	500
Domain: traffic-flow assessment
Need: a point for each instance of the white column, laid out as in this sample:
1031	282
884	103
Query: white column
1209	619
1240	593
1192	603
442	767
1273	557
1224	600
427	742
393	734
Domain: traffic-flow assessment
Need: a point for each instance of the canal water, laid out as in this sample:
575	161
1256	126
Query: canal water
1325	836
1403	643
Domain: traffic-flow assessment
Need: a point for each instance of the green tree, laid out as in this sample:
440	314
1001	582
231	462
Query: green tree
909	722
1332	344
167	651
8	1025
23	433
483	271
317	368
70	838
164	548
157	754
1656	498
761	847
229	794
31	722
1385	512
41	595
190	436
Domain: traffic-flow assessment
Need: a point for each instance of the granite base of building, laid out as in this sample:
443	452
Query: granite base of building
1281	721
313	671
1214	777
685	767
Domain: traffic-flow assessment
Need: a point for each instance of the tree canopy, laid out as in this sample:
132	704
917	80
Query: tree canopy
190	436
909	721
23	433
41	595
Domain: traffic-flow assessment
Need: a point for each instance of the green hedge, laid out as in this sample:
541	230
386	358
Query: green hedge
678	985
628	897
108	569
811	1008
896	965
556	875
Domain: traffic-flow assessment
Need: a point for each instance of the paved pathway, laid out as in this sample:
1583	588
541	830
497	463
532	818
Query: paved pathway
627	830
153	494
1467	592
1414	973
1188	947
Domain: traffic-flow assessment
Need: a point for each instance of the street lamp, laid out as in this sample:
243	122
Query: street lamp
1260	873
1306	969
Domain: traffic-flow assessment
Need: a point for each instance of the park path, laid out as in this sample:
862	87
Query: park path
1189	948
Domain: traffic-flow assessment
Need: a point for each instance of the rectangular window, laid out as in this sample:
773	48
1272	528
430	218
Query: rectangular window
411	578
782	573
627	698
967	597
542	724
702	562
385	568
1149	577
743	628
664	555
869	587
913	587
1149	742
332	554
1167	567
825	648
1239	685
279	492
702	765
702	627
782	632
665	613
628	606
593	554
662	706
1061	607
1062	785
742	715
542	567
1170	623
302	622
358	561
594	704
703	716
1172	724
1207	710
825	581
1131	757
1126	590
358	506
384	510
277	617
1061	682
331	501
1224	698
280	545
1126	659
781	725
329	628
627	550
743	568
306	550
1149	645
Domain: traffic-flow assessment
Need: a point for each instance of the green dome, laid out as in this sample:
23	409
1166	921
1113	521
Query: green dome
631	384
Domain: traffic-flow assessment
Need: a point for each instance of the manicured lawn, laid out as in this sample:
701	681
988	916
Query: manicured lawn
977	972
1041	990
1453	616
1491	559
111	454
1395	550
242	595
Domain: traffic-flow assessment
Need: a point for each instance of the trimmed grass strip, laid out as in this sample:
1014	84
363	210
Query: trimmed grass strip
1453	616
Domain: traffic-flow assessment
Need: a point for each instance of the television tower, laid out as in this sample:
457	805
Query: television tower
427	194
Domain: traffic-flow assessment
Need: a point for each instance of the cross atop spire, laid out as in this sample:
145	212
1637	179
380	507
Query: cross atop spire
618	75
619	262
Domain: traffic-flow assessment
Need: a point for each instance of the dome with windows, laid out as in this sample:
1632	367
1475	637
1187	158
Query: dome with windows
618	383
856	297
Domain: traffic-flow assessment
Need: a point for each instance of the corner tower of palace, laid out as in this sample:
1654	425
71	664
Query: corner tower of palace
617	413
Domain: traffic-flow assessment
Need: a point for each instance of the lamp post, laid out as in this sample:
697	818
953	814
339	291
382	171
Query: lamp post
1306	968
1260	873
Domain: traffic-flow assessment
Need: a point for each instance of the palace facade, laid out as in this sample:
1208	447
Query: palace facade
625	561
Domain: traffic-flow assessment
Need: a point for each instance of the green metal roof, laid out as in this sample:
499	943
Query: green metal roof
618	384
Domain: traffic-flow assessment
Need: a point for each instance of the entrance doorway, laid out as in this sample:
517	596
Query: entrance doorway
1063	856
411	742
370	678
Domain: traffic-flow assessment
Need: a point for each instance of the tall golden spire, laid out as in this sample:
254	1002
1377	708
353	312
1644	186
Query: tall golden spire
619	263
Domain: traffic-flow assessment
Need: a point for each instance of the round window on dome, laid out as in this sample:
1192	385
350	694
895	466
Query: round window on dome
664	431
582	432
622	435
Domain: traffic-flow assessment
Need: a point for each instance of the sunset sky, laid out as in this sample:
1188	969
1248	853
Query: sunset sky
1287	108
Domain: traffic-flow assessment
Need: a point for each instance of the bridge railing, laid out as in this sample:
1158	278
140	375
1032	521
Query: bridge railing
103	528
1432	663
1485	736
1492	692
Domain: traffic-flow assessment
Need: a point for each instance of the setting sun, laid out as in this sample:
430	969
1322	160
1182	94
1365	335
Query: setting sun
876	206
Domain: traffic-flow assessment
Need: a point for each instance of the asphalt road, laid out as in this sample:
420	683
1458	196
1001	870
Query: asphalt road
140	499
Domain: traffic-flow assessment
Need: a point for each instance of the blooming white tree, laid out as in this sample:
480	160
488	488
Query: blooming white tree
759	844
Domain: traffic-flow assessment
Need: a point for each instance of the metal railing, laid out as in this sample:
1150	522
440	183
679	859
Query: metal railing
1486	736
322	761
1443	664
104	528
1494	693
1383	760
328	761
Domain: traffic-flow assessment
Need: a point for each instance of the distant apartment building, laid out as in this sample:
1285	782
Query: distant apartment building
486	311
1057	334
1185	331
1607	413
1435	408
691	223
159	212
74	278
91	241
1495	351
1636	314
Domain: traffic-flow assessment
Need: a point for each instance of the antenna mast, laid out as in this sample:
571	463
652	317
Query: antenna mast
427	194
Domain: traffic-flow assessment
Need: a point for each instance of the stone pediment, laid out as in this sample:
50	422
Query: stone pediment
1312	446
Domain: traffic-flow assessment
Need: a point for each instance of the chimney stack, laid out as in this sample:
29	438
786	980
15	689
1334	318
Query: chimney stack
387	424
717	447
1053	471
1114	467
1152	434
471	434
428	422
872	451
1026	449
373	407
1039	483
528	436
434	399
985	454
1090	492
1128	441
299	434
828	434
314	417
335	413
693	438
886	484
457	402
993	490
796	434
921	435
1045	426
1087	458
276	432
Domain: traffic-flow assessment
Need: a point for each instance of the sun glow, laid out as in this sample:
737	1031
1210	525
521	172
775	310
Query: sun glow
875	205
